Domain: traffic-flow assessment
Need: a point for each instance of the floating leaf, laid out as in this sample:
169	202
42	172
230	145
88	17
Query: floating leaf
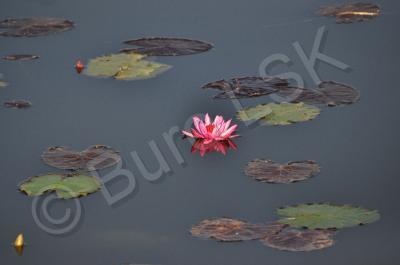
325	216
34	27
124	67
279	114
349	13
230	230
290	239
20	57
271	172
66	186
255	113
167	46
19	104
328	93
94	158
247	87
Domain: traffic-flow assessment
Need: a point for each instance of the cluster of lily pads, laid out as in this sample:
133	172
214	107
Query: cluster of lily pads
132	63
303	227
78	181
299	104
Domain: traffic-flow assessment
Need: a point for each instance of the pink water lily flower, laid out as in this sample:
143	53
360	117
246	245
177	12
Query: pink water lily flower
218	130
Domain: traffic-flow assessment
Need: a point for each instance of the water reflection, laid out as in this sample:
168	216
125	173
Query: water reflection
205	146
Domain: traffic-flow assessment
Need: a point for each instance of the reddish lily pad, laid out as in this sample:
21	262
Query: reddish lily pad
94	158
20	57
290	239
328	93
271	172
247	87
231	230
18	104
34	27
350	13
167	46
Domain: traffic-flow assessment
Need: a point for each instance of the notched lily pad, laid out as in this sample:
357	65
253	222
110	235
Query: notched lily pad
34	27
326	216
167	46
18	104
328	93
94	158
279	114
247	87
231	230
271	172
350	13
66	186
124	67
20	57
290	239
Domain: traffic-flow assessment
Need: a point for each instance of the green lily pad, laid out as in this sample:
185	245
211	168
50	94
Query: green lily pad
325	216
124	66
279	114
66	186
255	113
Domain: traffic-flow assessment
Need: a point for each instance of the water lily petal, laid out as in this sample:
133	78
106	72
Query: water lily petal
188	134
228	132
207	119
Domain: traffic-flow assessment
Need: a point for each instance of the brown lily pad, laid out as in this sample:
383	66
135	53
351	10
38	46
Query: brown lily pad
94	158
271	172
34	27
291	239
167	46
247	87
350	13
328	93
20	57
18	104
231	230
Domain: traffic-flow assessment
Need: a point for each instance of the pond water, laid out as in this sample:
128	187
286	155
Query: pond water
356	146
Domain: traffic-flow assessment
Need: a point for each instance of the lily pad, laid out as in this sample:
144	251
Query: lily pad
34	27
18	104
349	13
20	57
167	46
94	158
255	113
247	87
231	230
66	186
326	216
271	172
279	114
328	93
290	239
124	67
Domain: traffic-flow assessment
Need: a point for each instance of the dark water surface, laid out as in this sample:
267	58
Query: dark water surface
357	146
